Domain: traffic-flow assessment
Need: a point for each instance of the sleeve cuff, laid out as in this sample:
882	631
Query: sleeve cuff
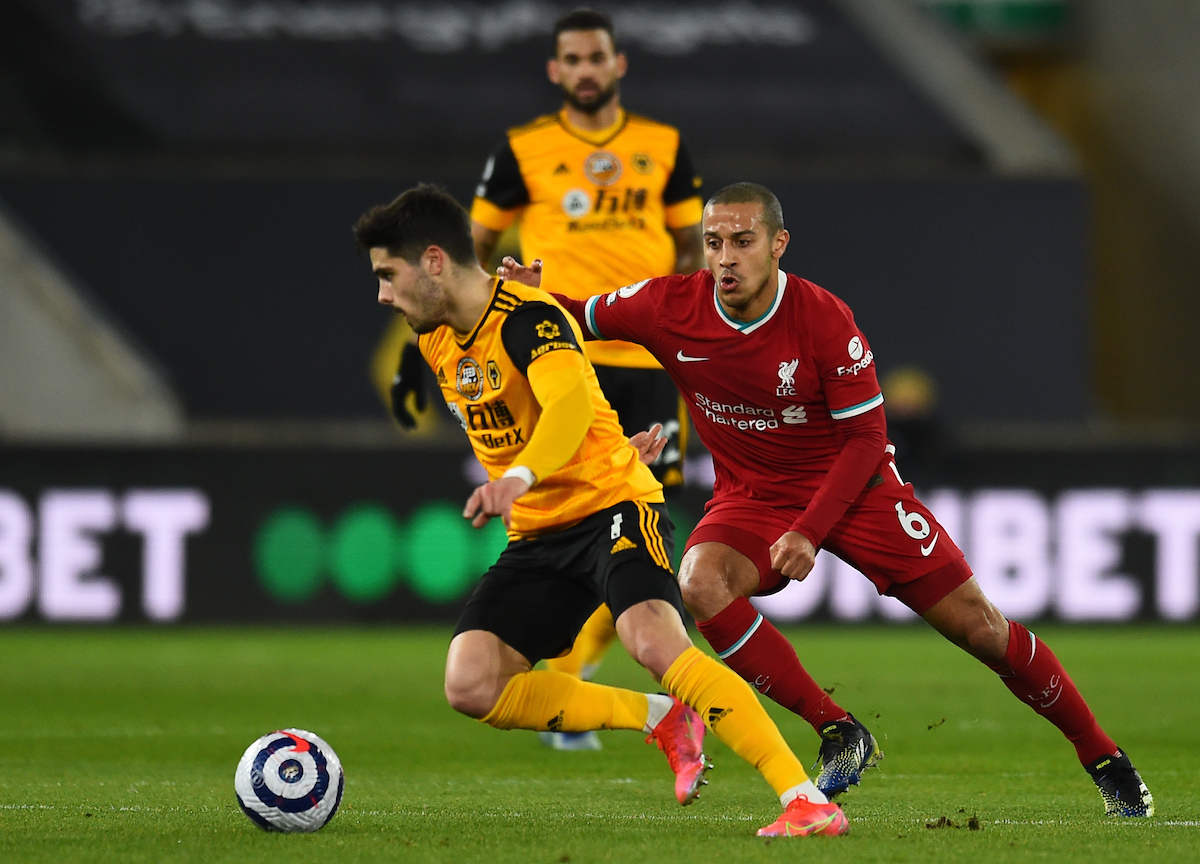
810	534
854	410
490	216
522	472
689	211
589	316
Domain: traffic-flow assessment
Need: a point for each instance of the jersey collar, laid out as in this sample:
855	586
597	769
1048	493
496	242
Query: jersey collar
596	139
487	310
751	326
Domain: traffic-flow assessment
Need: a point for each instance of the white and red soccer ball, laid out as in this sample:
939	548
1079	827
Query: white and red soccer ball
290	780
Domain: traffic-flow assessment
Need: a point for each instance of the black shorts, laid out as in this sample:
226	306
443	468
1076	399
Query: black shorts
539	593
641	398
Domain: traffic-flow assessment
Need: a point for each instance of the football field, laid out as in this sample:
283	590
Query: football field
120	746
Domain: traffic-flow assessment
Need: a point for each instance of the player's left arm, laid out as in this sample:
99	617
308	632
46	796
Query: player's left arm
846	367
682	211
541	344
499	199
794	553
632	319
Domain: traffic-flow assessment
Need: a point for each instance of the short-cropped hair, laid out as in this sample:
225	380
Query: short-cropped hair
583	19
753	193
424	216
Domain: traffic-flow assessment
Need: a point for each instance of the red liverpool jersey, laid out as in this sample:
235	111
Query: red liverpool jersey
765	395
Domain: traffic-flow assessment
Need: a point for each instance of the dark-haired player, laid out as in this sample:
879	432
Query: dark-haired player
608	197
585	518
782	390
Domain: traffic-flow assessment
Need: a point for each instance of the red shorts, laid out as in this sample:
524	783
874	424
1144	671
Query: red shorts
887	535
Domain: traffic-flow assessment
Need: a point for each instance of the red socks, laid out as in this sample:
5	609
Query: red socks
1034	675
753	648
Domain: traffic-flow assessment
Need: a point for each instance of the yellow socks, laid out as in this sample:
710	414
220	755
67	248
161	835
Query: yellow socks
545	700
732	711
593	640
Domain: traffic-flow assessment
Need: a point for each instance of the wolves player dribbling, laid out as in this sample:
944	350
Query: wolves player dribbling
782	390
585	518
610	197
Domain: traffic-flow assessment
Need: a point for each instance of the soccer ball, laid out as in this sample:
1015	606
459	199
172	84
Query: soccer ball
290	780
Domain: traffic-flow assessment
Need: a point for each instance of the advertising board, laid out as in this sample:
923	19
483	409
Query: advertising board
162	536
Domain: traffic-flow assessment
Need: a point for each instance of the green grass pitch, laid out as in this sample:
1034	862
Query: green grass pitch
120	745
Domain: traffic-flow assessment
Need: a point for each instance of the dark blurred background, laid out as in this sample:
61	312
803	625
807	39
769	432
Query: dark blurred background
1006	192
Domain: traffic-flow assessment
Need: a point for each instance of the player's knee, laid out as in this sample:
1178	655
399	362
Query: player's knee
702	588
470	694
654	635
985	636
705	592
656	652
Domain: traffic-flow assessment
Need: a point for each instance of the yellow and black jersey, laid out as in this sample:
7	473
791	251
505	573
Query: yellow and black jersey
484	382
594	206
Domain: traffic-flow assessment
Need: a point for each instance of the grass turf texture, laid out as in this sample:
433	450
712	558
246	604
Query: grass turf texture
120	745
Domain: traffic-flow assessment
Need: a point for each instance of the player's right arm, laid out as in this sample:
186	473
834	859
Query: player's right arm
485	240
599	315
683	211
542	346
499	199
629	313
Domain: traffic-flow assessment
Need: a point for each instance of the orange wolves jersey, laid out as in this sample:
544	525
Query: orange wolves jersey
483	380
594	206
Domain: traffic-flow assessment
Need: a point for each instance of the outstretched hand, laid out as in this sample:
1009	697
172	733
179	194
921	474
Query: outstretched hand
649	443
494	499
793	555
512	270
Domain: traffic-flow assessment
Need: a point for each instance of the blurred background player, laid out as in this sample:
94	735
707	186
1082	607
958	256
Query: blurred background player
913	425
585	517
609	198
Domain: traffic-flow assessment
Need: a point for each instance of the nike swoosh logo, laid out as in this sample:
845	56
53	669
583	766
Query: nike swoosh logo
683	358
925	550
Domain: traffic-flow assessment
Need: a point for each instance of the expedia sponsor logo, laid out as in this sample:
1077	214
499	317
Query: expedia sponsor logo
626	292
468	380
602	168
862	364
745	417
855	348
